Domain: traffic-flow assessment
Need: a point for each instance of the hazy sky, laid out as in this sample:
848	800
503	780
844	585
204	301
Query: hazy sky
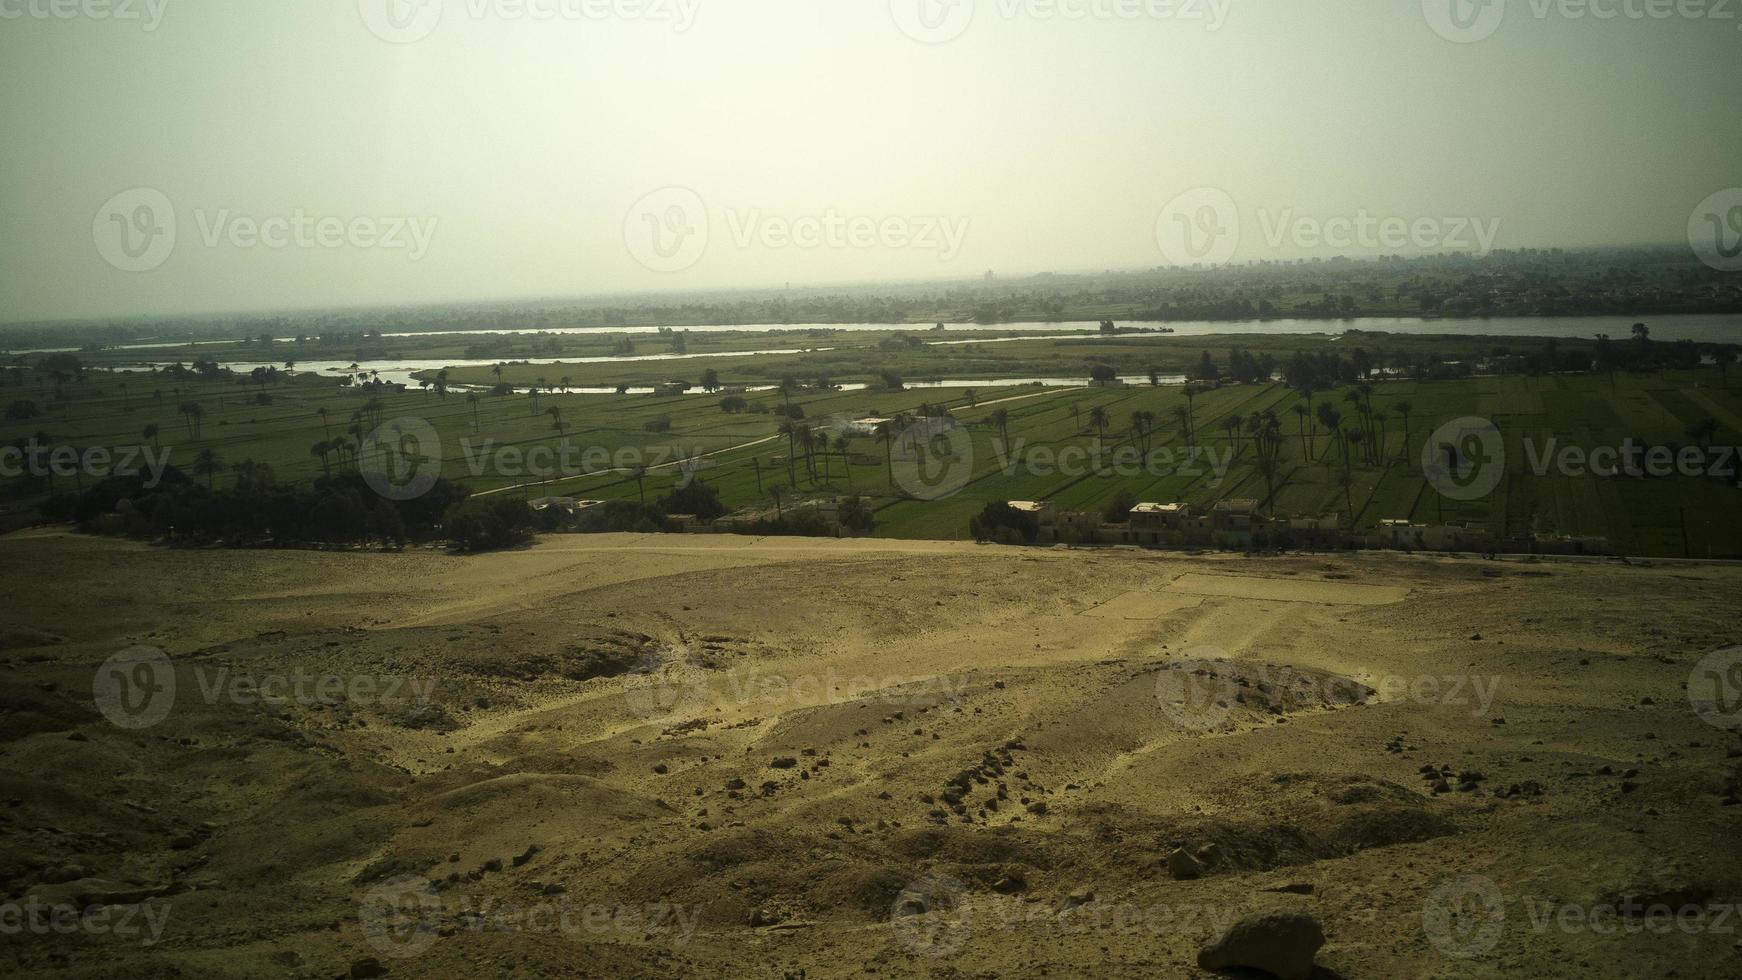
499	154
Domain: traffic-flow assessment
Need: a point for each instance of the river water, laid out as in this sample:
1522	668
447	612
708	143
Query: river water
1699	328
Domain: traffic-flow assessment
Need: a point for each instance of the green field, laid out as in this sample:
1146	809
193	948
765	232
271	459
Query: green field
1638	516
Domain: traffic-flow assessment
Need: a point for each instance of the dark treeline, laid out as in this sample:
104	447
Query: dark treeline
342	510
1325	369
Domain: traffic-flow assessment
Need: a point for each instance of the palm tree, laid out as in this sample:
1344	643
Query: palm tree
1300	417
777	492
1703	431
322	412
1267	442
886	432
1001	421
206	464
1403	409
639	475
1098	421
1346	480
1332	420
567	384
1234	423
151	433
1191	414
821	440
193	413
556	416
790	430
842	445
472	400
1140	426
321	449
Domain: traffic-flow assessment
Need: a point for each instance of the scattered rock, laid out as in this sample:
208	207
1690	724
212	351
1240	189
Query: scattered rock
1182	866
1282	944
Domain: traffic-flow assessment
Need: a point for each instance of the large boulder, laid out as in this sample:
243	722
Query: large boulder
1281	944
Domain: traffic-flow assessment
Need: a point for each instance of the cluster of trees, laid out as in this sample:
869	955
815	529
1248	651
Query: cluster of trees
1000	523
257	512
1243	366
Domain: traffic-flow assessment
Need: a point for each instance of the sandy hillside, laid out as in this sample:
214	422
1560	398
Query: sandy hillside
637	756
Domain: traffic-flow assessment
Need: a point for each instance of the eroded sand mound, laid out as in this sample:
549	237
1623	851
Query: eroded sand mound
644	756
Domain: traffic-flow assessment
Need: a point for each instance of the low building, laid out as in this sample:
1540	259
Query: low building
1429	537
1231	522
569	508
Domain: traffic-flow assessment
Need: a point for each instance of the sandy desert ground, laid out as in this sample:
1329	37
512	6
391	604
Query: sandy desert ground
641	756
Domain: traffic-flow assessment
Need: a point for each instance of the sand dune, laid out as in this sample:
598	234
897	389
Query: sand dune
651	756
